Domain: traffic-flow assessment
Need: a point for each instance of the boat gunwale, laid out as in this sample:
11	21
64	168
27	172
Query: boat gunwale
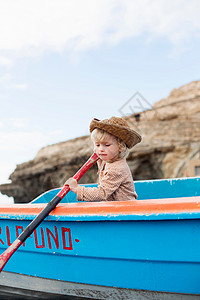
170	208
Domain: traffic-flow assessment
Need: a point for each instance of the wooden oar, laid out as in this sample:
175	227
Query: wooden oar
5	256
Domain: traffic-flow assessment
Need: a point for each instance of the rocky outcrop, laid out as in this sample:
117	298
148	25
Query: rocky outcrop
170	142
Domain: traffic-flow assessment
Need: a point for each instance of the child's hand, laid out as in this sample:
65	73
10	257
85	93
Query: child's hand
99	162
72	183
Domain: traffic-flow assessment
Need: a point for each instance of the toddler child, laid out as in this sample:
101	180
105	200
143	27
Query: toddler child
112	140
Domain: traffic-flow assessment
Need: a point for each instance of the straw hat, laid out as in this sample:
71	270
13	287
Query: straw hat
119	128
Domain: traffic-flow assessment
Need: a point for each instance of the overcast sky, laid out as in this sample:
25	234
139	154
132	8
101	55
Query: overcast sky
64	62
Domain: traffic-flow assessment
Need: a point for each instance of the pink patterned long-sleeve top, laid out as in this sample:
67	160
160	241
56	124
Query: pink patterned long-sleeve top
115	184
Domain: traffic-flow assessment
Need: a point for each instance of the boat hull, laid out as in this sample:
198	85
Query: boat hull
158	255
145	245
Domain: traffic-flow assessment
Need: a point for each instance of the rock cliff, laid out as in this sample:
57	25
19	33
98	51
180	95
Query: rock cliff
170	143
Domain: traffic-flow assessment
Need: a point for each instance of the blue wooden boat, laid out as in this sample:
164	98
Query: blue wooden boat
144	249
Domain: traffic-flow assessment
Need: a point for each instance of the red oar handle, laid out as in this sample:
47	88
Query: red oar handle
5	256
89	163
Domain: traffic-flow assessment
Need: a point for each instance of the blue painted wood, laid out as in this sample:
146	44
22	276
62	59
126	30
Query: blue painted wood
148	189
168	188
156	255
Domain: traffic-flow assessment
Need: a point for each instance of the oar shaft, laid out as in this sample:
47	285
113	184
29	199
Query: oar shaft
54	202
5	256
36	222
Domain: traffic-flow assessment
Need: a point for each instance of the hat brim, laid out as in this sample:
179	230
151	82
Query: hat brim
129	136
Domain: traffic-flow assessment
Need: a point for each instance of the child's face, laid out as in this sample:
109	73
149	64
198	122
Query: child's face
108	148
